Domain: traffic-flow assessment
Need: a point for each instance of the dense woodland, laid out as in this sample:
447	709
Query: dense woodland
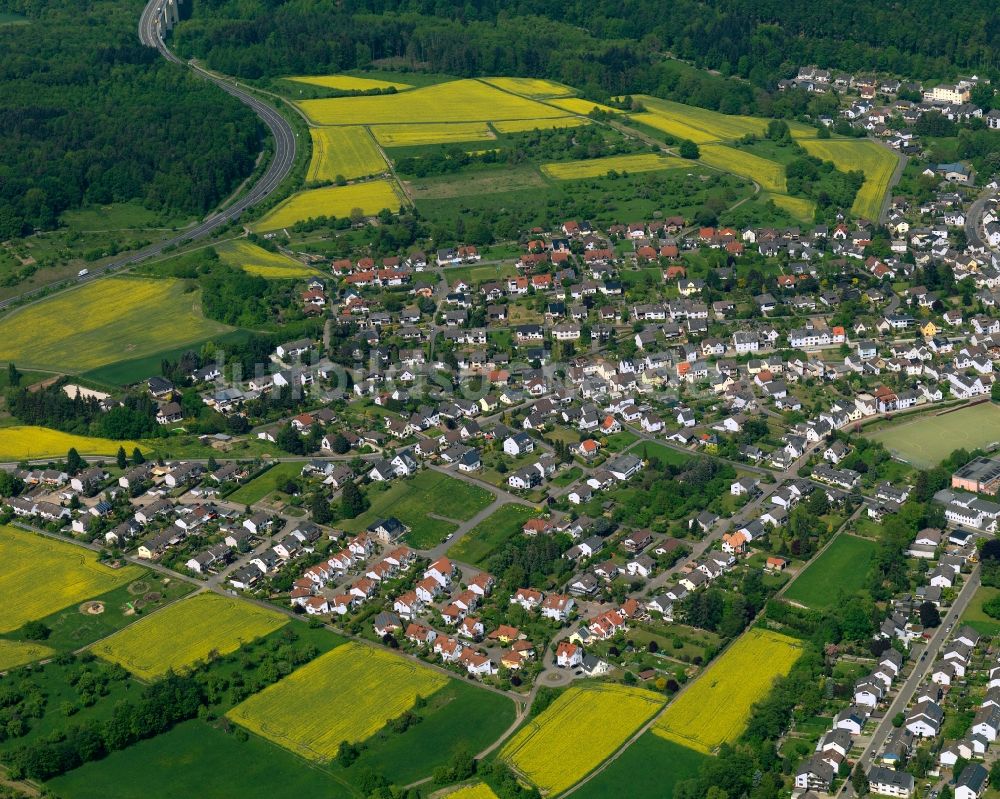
89	115
602	47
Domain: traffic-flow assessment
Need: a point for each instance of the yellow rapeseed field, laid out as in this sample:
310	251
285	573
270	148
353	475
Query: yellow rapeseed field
28	442
258	261
103	322
521	125
348	694
876	161
769	174
531	87
673	127
577	105
581	729
339	201
455	101
431	133
698	124
17	653
714	708
597	167
187	631
478	790
348	83
40	576
346	152
799	207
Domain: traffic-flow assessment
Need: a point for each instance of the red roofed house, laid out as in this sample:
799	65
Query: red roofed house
568	655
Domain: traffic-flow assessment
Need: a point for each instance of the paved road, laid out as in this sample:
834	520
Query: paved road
973	219
920	669
279	168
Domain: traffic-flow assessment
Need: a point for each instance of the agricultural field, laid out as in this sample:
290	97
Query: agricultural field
799	207
29	442
648	769
477	790
197	759
188	631
348	694
924	440
343	152
536	88
258	261
477	184
581	729
575	105
522	125
841	570
714	708
411	499
698	124
597	167
769	174
876	161
482	541
271	480
27	590
103	322
338	201
431	133
455	101
348	83
17	653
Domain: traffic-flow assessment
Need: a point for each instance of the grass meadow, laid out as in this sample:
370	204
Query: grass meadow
841	570
486	538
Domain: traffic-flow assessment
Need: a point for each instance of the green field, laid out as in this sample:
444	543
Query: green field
877	162
840	571
459	716
974	615
648	769
479	274
412	499
663	453
271	480
195	759
483	540
925	440
103	322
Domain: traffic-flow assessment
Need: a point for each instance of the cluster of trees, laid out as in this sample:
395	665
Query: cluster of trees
52	407
726	612
671	491
530	561
821	181
90	116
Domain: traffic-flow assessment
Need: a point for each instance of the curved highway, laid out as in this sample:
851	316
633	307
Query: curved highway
277	170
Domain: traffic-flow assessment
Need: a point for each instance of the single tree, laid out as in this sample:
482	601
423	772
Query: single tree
137	457
122	458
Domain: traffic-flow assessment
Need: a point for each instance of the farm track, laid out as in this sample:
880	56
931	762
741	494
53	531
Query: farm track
281	165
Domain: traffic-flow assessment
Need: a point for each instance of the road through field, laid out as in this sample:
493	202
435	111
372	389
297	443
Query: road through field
279	168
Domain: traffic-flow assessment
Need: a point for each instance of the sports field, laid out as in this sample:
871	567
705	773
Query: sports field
348	694
455	101
411	500
258	261
187	631
40	576
348	83
876	161
431	133
531	87
28	442
714	708
581	729
769	174
17	653
338	201
841	570
345	152
926	439
104	321
521	125
598	167
697	124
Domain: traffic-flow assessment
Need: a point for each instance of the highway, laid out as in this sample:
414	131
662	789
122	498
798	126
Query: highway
277	170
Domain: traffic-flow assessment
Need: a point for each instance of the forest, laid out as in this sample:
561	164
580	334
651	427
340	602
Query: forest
601	47
90	116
